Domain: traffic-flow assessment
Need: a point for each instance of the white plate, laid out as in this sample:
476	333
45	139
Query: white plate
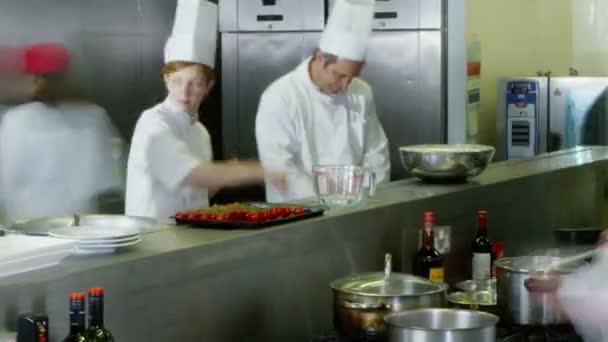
106	241
105	248
107	245
93	233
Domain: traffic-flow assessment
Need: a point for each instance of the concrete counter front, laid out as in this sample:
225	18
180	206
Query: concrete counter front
185	284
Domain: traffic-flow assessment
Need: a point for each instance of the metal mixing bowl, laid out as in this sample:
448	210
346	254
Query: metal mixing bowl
446	162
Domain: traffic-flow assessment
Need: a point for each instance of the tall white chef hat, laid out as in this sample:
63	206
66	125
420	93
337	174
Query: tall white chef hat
194	35
348	29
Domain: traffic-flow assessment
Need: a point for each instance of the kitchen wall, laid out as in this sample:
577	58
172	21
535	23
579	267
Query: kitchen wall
590	37
518	38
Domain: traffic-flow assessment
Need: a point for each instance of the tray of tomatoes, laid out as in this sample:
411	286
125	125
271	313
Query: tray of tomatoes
245	215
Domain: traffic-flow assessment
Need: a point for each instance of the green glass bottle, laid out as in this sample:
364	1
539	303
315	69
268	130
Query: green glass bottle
97	332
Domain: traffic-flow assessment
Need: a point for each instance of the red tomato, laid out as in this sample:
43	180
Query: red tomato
223	217
192	216
275	213
180	215
253	217
286	212
298	211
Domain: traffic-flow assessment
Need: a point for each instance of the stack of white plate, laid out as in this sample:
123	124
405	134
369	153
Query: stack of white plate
89	240
21	253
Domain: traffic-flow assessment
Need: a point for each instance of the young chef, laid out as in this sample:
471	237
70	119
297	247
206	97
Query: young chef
170	165
321	113
56	150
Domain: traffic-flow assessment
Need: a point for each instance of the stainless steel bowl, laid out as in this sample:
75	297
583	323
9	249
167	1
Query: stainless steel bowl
446	162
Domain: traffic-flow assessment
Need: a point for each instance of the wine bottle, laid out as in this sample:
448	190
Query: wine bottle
97	332
428	263
482	249
77	318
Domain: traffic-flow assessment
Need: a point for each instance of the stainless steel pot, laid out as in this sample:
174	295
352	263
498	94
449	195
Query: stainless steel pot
516	303
434	325
474	300
361	301
446	162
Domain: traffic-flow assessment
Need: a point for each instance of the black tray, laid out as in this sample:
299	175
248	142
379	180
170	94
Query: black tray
242	224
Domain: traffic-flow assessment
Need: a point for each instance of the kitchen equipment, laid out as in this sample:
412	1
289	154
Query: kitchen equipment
434	325
544	114
361	301
477	285
474	300
342	185
446	162
42	226
515	302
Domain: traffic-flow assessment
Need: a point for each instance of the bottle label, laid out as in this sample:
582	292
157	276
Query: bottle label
436	274
482	266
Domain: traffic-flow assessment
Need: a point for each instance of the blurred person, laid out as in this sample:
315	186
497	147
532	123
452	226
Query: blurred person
57	151
322	113
582	295
171	167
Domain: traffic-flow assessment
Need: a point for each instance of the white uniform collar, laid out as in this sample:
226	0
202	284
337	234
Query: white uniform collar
182	117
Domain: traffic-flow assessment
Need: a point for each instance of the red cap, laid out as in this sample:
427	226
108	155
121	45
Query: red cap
77	295
96	291
46	58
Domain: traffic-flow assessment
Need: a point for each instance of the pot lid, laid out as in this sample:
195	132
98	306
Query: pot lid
397	284
526	264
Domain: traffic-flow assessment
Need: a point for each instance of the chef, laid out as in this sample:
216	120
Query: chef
170	165
57	151
321	112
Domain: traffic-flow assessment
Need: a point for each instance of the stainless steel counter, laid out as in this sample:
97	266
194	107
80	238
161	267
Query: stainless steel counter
271	285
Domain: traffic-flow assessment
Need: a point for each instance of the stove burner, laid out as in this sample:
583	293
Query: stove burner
335	337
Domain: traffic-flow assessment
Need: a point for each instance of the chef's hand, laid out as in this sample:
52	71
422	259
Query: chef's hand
543	287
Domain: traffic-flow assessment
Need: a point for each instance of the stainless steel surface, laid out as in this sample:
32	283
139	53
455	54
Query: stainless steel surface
283	15
361	301
596	94
445	162
515	302
404	69
501	114
273	283
477	285
406	14
247	62
41	226
76	221
434	325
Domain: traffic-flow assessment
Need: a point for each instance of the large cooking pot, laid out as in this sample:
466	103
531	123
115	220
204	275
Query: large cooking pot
432	325
361	301
516	303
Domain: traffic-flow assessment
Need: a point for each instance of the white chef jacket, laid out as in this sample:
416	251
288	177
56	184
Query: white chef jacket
167	145
298	126
55	159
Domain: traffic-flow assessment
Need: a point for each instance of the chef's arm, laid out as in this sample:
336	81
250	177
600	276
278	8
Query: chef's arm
172	163
376	147
217	175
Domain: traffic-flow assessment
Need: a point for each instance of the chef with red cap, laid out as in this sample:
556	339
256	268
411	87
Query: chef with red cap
58	153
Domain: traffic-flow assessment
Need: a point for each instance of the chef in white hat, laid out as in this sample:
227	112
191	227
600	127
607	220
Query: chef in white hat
170	165
321	113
